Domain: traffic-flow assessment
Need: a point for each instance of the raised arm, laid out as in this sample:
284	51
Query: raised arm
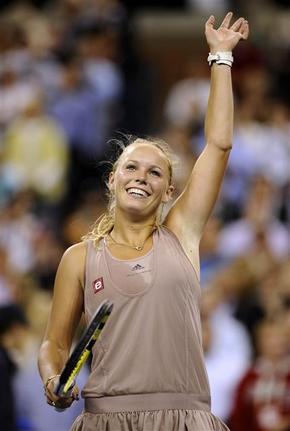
192	209
67	307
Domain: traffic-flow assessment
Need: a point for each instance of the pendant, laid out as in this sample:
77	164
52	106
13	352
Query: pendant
138	248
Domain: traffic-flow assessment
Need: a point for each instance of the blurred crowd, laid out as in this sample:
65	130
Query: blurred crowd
71	83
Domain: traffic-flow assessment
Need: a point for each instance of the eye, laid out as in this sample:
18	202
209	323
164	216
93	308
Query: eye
155	173
130	167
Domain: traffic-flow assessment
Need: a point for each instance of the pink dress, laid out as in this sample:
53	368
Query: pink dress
147	371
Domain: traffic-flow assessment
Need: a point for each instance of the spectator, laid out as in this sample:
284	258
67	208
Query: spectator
227	347
260	218
12	325
19	228
81	108
262	399
35	154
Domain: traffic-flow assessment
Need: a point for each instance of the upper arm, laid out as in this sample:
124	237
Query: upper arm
192	209
67	303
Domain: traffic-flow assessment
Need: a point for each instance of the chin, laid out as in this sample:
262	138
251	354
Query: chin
138	211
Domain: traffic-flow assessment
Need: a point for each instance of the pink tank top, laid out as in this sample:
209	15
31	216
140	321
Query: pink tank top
152	340
133	275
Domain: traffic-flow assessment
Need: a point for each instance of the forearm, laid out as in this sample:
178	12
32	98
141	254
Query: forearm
51	359
219	116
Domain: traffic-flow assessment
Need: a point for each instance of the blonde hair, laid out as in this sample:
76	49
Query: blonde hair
105	223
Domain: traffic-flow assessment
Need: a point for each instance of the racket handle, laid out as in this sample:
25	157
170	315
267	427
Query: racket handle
59	391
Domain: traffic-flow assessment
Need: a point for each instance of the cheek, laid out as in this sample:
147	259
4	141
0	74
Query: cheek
122	176
163	185
120	182
119	179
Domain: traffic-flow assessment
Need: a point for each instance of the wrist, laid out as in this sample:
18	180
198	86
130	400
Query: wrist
220	57
219	48
48	380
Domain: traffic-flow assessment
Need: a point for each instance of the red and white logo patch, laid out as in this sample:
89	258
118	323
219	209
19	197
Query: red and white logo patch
98	284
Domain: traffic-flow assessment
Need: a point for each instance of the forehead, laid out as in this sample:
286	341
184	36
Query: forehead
146	153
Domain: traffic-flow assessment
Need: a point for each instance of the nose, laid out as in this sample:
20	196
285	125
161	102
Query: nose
140	180
141	177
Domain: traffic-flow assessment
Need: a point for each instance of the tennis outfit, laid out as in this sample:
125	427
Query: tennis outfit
147	371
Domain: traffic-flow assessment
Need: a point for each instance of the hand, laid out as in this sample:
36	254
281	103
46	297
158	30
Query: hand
59	402
226	37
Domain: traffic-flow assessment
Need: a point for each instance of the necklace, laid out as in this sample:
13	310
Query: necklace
134	247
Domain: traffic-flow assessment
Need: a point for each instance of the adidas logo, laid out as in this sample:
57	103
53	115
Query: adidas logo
137	267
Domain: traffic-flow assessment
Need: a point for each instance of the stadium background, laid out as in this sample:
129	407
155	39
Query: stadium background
75	76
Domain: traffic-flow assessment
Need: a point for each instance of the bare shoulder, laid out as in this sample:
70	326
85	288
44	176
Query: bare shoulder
76	252
73	261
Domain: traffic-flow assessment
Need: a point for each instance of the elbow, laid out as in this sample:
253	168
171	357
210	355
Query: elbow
223	145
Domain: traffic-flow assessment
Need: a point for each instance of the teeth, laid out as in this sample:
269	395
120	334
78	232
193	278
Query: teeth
138	192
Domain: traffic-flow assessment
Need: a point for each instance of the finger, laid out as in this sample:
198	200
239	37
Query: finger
61	403
64	403
75	394
210	22
227	20
50	394
245	30
237	24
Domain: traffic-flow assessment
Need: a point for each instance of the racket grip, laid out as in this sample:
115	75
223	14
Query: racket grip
59	391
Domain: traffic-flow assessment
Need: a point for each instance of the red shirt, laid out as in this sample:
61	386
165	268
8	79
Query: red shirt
262	401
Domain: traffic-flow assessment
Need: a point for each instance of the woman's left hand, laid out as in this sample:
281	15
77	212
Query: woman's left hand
227	36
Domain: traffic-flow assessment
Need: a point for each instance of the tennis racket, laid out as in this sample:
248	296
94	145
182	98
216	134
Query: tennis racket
83	349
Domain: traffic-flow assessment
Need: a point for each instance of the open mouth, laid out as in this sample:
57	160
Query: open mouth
137	193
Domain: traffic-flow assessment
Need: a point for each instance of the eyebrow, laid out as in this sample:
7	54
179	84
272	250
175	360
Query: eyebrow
151	166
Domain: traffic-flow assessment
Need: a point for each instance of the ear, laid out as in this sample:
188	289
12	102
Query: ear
168	194
111	181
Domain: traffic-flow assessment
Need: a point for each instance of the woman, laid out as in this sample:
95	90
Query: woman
147	370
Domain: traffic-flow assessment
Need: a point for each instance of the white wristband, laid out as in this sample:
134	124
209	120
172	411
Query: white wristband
221	57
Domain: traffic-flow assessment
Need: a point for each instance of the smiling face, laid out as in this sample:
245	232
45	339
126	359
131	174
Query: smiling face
141	181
